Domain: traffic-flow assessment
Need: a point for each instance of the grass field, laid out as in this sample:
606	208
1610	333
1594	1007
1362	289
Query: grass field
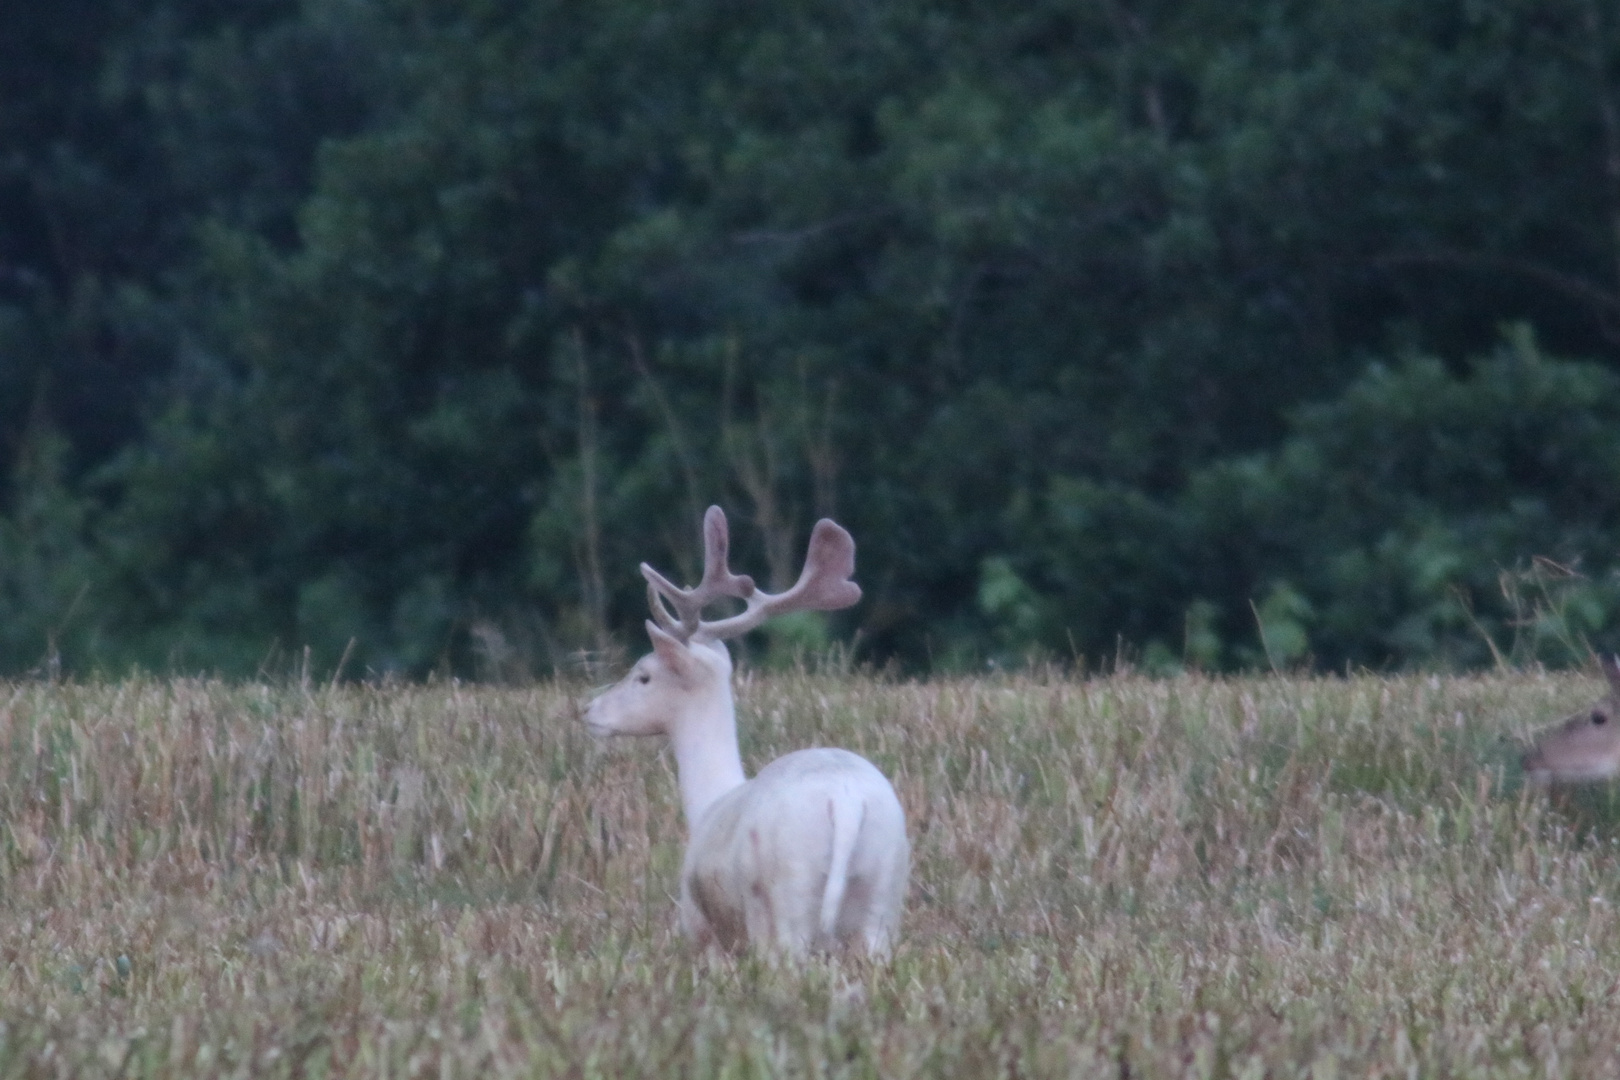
1115	877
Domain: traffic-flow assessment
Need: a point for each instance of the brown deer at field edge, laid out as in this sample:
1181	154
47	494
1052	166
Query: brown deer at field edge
1585	747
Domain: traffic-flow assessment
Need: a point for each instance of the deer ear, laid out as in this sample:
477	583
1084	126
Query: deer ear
671	650
1611	671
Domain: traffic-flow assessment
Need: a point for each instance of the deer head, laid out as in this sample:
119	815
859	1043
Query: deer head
1586	746
683	687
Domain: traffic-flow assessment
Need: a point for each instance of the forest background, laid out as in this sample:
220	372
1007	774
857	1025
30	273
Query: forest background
391	334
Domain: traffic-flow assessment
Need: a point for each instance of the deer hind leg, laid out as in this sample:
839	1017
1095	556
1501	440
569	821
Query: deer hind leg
878	925
885	897
774	923
879	933
782	904
767	904
695	926
710	916
864	923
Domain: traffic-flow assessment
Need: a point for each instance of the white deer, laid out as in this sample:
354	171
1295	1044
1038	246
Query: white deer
812	852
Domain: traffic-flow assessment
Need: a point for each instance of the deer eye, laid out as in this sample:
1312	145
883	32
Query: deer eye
646	678
1599	717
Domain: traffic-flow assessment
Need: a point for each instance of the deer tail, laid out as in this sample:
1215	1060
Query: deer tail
846	816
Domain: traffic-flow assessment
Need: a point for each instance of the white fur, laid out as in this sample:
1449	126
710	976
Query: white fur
811	854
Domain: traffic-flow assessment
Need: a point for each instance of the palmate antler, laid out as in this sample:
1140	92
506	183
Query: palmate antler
824	585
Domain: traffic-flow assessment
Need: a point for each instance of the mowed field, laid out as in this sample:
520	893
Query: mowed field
1112	877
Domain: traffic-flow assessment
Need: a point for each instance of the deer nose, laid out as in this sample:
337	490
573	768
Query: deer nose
587	712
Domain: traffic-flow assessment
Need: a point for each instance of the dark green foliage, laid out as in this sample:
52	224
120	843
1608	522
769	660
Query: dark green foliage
47	567
1407	511
402	331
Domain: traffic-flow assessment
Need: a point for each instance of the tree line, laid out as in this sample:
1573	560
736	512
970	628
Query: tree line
394	334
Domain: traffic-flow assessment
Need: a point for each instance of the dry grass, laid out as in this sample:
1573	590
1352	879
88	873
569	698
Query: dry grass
1266	877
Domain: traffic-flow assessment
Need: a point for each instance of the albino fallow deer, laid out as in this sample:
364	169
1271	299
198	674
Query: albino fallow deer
811	854
1586	746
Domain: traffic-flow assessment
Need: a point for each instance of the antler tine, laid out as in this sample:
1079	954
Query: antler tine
824	585
655	602
717	581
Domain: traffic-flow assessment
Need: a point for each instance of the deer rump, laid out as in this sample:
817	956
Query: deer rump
811	854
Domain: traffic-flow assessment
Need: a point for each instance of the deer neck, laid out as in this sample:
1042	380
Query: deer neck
707	761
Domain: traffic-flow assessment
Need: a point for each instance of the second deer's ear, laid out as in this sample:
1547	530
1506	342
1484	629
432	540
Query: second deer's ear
1611	671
